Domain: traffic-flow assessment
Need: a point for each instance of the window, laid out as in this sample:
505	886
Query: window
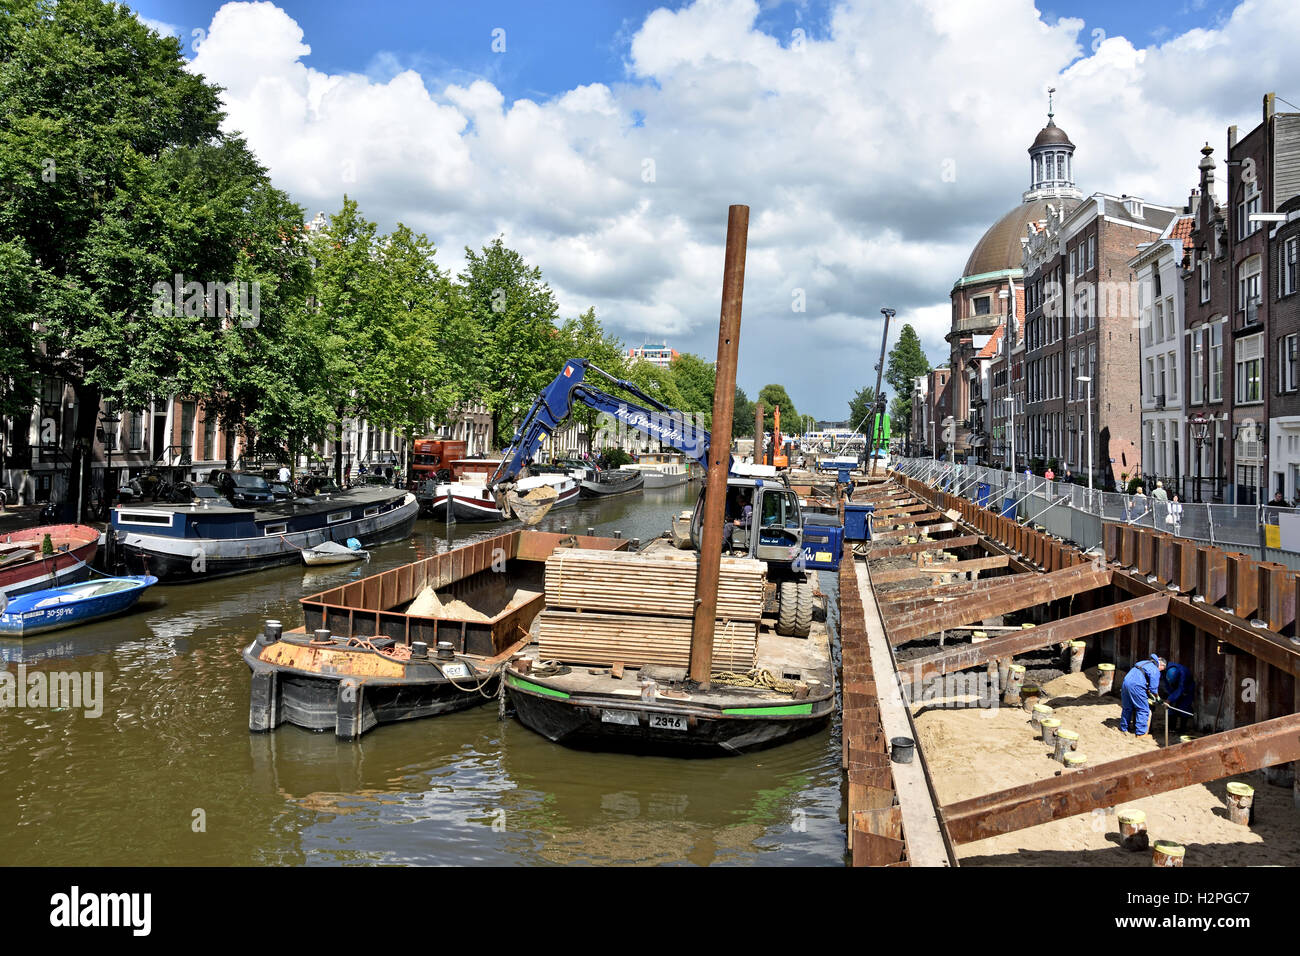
1245	209
209	433
1195	368
1287	268
1092	258
982	305
1092	361
1158	322
1160	379
1250	363
1248	277
135	431
187	430
1204	269
1288	363
1216	362
1172	365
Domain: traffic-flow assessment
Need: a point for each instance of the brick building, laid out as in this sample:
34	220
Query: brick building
990	290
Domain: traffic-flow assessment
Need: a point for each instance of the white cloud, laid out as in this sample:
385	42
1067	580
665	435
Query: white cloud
872	157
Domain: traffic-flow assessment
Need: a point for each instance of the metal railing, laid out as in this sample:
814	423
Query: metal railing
1072	512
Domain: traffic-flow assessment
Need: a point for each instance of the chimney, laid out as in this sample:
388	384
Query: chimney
1206	167
1269	106
1232	138
1193	203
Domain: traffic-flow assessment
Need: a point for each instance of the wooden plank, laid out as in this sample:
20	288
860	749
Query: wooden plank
607	639
1107	785
939	544
1020	641
1014	595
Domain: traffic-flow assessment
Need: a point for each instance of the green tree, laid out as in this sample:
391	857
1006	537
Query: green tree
97	108
906	361
742	417
347	321
519	348
695	379
422	363
656	382
860	406
775	395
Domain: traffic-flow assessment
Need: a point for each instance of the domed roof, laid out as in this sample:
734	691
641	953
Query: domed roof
999	248
1051	135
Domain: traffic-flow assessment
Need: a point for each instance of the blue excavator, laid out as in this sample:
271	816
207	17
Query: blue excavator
776	533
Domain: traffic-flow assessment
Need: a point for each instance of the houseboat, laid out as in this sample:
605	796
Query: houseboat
194	541
472	500
661	469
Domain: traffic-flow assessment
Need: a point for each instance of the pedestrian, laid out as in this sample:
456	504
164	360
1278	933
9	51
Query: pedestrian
1160	494
1049	475
1175	516
1279	501
1069	477
1180	695
1141	689
285	474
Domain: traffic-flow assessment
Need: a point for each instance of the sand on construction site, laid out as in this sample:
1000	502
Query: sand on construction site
974	751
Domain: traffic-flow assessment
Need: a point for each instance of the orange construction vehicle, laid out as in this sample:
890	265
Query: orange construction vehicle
433	457
779	458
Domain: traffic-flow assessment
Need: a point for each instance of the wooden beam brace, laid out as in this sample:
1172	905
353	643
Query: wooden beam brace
1022	641
1120	781
940	544
908	532
1014	595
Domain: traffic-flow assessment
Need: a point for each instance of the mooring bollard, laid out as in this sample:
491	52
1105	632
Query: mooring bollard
1049	726
1038	713
1077	649
1015	677
1165	853
1105	678
1133	830
1029	694
1241	803
1066	741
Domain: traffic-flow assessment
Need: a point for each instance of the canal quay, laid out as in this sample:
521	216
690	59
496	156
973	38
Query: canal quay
464	788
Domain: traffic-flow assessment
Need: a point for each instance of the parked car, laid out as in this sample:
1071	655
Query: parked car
242	489
186	491
282	491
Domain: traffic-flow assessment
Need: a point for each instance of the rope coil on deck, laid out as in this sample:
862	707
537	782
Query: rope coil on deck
759	677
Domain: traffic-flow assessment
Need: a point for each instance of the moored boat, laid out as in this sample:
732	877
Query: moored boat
25	568
419	640
474	501
614	678
331	552
180	543
54	608
606	484
661	470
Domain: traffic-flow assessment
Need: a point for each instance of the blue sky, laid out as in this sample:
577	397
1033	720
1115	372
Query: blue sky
555	47
607	141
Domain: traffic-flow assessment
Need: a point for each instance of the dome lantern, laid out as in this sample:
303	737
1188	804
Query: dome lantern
1051	161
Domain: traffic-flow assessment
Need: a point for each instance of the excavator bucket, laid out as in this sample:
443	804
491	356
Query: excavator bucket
532	507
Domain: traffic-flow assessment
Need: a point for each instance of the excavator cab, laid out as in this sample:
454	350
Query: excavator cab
774	535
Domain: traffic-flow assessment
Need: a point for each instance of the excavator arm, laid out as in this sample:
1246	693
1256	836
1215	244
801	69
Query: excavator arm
667	425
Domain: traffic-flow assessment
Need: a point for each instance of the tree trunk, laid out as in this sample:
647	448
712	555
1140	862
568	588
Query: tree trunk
82	450
338	447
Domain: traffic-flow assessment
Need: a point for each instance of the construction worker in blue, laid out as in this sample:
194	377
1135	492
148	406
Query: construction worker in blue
1180	692
1140	689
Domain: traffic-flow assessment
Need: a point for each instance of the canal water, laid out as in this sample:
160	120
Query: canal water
169	773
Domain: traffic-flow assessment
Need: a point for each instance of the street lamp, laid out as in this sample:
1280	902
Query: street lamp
1088	379
1199	427
110	422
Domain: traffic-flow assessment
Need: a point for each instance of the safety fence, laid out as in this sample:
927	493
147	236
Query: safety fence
1076	513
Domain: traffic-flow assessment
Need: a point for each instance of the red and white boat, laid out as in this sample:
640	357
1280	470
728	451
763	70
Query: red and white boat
23	568
472	501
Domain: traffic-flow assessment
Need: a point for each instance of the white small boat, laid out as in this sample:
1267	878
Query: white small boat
331	552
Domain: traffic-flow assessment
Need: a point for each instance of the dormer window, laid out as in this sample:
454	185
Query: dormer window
1134	207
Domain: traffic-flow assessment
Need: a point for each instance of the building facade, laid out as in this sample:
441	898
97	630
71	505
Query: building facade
1159	271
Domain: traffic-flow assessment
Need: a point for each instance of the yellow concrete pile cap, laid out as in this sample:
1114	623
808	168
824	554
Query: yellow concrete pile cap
1105	667
1017	668
1132	817
1186	738
1050	722
978	635
1075	759
1239	789
1025	627
1170	849
1029	690
1068	734
1042	709
1078	643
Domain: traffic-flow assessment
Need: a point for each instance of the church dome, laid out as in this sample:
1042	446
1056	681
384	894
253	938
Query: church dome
1051	135
999	247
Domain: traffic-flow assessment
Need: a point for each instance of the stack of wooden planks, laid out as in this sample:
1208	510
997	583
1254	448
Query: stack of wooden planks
608	607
